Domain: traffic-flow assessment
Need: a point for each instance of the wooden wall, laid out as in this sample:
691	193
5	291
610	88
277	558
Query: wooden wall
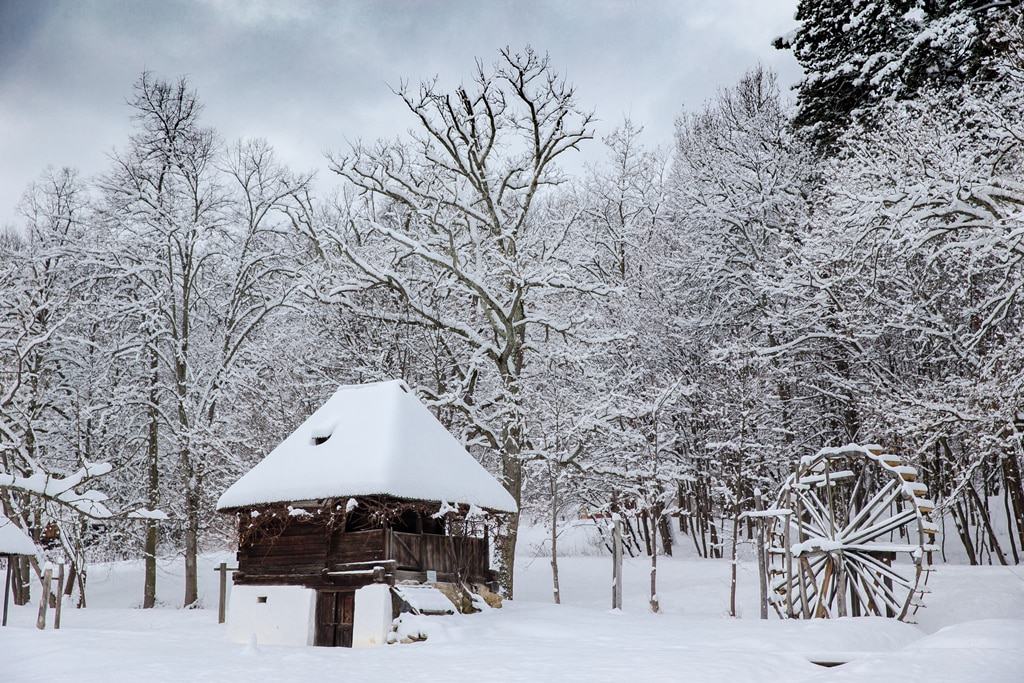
305	553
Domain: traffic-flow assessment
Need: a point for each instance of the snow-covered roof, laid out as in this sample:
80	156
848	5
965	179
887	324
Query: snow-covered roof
14	541
369	439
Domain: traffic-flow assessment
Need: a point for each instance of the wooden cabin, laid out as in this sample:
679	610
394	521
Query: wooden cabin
370	490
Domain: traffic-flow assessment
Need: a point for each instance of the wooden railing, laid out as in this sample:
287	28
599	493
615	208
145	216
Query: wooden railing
466	557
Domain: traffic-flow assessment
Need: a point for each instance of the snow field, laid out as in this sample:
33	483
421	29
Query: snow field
971	630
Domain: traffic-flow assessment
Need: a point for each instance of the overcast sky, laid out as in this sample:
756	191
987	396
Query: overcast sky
309	76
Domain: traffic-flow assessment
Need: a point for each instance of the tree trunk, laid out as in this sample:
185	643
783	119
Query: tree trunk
1015	488
512	478
505	539
655	607
149	590
22	581
153	497
1009	526
191	548
762	568
963	529
716	547
554	539
983	515
666	534
733	563
81	587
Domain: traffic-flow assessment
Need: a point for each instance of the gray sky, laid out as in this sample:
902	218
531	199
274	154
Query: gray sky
309	76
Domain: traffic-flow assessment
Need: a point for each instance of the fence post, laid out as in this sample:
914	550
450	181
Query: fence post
60	596
222	603
7	585
786	542
617	563
44	599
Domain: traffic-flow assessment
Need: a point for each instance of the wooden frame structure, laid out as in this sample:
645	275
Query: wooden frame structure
381	539
851	535
370	489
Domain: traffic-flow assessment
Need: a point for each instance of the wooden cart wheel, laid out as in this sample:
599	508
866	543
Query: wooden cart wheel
853	536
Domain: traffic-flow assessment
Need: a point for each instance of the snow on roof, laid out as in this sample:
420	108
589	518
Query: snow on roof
369	439
14	541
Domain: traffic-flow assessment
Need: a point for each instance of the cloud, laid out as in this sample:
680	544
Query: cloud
309	76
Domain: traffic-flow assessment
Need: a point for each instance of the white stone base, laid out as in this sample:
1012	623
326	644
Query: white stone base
275	615
372	619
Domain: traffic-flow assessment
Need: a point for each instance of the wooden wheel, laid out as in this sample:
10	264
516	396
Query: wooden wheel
851	536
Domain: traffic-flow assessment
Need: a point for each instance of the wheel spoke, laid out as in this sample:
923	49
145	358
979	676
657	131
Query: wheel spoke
807	527
881	508
822	592
869	506
793	581
855	585
876	589
817	511
881	528
882	568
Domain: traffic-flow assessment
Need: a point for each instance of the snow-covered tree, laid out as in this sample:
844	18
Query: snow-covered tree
858	55
451	231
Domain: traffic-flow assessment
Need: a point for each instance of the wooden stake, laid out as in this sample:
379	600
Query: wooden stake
617	564
44	599
60	596
798	510
837	559
789	567
222	602
7	586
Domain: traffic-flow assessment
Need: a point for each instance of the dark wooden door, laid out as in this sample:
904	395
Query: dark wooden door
334	611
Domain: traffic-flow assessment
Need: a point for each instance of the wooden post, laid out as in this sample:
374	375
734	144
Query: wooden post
762	569
802	561
44	599
222	601
7	586
786	541
617	563
837	558
60	596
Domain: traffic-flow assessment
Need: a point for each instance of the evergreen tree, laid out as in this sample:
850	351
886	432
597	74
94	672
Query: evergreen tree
860	53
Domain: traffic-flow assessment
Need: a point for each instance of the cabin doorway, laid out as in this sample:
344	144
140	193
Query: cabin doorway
334	610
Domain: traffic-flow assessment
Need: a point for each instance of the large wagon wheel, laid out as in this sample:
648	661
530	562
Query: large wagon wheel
852	536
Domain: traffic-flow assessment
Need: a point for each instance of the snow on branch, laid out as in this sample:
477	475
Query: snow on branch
62	490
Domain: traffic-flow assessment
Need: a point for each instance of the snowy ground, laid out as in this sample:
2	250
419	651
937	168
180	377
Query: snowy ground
971	630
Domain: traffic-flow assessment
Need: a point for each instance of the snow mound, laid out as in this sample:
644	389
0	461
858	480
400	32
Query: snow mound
369	439
981	634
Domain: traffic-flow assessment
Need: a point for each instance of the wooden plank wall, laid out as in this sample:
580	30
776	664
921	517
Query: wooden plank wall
357	546
300	548
303	550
